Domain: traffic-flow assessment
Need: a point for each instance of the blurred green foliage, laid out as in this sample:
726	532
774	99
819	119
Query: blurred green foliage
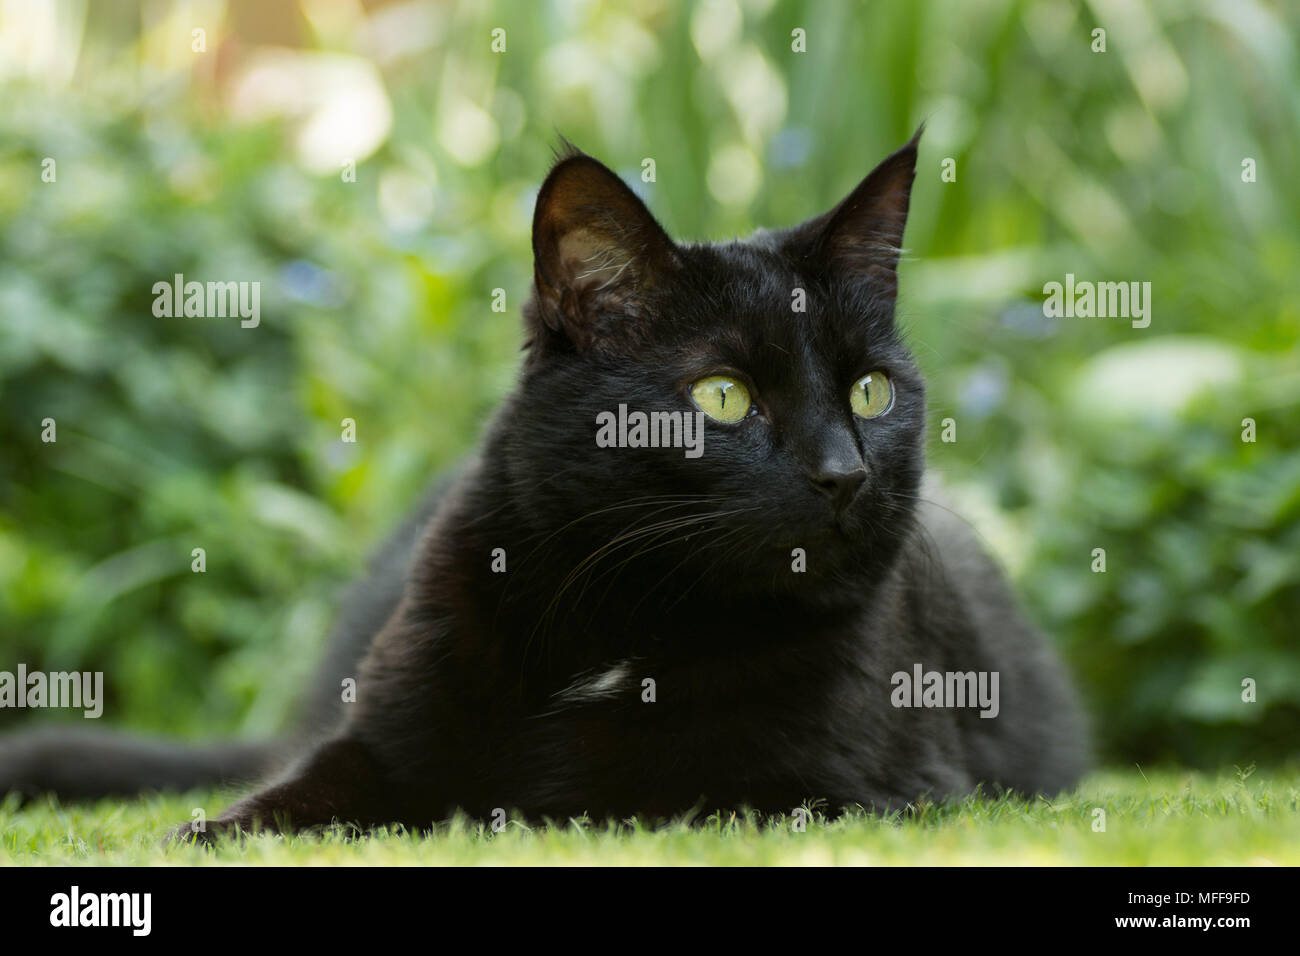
1072	434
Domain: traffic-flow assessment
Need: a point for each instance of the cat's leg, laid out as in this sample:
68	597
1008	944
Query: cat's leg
339	781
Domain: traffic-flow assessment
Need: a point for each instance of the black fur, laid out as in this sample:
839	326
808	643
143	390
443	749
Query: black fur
525	690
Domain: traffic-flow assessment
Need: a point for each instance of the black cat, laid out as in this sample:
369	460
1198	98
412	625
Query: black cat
778	616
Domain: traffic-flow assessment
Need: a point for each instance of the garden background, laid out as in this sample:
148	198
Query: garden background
231	162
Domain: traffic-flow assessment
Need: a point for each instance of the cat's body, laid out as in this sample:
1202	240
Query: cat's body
756	703
630	630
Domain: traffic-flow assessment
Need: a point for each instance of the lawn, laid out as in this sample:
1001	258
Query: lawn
1235	817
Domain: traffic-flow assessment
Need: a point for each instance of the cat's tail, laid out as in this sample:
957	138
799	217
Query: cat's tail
86	765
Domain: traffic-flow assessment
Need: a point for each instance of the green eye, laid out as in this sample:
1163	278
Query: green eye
872	395
722	399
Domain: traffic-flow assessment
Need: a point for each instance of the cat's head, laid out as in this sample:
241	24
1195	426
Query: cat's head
786	341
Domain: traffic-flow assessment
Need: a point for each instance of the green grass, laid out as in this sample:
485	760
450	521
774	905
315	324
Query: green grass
1168	818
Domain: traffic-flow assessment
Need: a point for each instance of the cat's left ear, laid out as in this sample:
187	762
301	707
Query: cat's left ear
598	253
862	237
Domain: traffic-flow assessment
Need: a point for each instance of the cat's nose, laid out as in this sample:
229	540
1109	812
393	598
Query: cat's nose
839	484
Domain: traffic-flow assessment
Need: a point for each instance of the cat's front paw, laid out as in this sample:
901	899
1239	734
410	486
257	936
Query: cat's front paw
187	834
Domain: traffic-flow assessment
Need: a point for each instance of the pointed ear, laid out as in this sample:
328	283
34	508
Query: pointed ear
862	237
598	254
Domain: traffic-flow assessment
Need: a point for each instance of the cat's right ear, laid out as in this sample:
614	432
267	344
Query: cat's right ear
862	237
598	253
